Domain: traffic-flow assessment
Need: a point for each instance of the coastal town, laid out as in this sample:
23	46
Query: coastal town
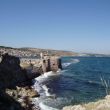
18	52
34	52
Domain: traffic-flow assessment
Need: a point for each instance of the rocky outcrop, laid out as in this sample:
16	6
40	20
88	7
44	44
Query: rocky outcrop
40	66
103	104
15	82
23	95
9	103
51	64
15	85
11	74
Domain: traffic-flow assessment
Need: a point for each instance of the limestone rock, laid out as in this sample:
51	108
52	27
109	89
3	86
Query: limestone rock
8	103
76	107
103	104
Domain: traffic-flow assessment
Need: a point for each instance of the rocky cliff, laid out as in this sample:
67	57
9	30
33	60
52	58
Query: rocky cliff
15	85
11	73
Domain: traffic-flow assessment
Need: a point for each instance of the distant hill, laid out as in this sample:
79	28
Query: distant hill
51	51
27	51
92	55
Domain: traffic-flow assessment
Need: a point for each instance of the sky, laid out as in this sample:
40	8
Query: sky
75	25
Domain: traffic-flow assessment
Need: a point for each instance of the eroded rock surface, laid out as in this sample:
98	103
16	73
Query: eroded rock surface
15	85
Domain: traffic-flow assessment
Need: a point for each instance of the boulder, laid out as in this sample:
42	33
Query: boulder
9	103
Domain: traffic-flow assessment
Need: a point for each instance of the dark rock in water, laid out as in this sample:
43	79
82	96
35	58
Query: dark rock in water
59	63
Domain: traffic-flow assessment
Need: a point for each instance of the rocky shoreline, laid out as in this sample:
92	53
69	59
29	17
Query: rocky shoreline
103	104
16	92
16	80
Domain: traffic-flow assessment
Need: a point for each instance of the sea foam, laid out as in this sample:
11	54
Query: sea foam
43	90
73	61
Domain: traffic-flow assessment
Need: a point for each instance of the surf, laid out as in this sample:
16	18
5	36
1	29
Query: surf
43	90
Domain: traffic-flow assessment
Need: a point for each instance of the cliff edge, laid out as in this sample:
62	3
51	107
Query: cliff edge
15	85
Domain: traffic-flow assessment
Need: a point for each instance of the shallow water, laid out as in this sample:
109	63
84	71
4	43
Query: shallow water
79	82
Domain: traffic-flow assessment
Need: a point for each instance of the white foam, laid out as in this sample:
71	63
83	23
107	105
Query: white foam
73	61
48	101
43	90
46	75
46	89
51	73
45	107
66	64
54	103
39	86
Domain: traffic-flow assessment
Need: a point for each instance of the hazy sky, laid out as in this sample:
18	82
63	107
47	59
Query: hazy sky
78	25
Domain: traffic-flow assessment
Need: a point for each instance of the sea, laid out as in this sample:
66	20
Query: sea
82	80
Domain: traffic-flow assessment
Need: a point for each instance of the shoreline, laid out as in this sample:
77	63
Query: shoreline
42	89
40	81
102	104
20	77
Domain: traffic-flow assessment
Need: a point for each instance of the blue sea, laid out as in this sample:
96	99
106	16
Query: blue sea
82	80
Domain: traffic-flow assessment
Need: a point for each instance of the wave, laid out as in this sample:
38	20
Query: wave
66	64
46	89
51	73
73	61
54	103
43	90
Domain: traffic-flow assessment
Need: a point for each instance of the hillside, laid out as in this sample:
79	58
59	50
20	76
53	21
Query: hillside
51	51
34	52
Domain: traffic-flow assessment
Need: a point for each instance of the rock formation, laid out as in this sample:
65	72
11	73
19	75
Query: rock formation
15	82
11	74
51	64
15	89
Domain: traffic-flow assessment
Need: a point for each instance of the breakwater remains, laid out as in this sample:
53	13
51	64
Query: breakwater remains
40	66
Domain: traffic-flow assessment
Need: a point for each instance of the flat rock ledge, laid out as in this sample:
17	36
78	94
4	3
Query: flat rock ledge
103	104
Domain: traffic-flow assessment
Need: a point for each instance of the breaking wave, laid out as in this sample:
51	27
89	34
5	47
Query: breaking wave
73	61
41	87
